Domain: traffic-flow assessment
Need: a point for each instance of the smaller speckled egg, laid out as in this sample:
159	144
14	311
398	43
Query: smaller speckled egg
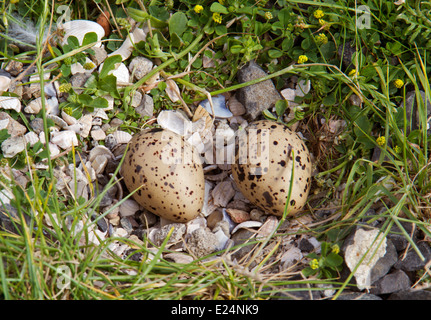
167	173
263	167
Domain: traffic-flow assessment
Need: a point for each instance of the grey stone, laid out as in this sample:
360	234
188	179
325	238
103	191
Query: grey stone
411	295
202	242
140	67
37	125
78	81
385	263
126	224
239	238
412	262
99	55
397	237
257	97
161	234
146	107
147	219
346	51
392	282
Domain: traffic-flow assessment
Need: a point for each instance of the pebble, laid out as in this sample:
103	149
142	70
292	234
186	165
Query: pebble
412	262
202	242
257	97
140	66
14	128
177	234
392	282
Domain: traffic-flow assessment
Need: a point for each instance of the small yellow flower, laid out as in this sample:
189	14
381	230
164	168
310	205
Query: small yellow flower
321	38
65	87
335	249
198	8
268	15
381	141
353	72
397	149
399	83
314	264
318	14
302	59
217	17
322	22
88	65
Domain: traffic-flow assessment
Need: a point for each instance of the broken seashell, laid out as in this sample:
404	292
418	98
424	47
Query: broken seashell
79	28
129	207
121	72
172	90
64	139
58	121
99	163
100	150
32	138
247	224
10	103
4	83
86	122
136	36
98	134
175	121
179	257
12	146
70	120
236	107
121	136
223	193
268	227
219	105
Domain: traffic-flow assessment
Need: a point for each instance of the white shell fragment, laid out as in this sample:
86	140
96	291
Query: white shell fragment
79	28
4	83
12	146
175	121
247	224
10	103
121	72
368	243
64	139
219	105
126	48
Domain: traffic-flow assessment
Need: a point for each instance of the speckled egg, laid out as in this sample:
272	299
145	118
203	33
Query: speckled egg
267	150
167	173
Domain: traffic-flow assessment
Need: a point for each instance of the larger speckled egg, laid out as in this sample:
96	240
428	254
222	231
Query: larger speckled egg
263	167
166	173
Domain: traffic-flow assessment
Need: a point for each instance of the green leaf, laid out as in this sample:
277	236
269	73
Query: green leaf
333	260
99	102
217	7
280	107
176	40
90	37
178	23
109	84
85	99
141	16
330	100
267	114
308	271
274	53
109	65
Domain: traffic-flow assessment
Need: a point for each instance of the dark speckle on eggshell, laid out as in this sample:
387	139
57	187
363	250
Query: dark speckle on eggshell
170	182
268	186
